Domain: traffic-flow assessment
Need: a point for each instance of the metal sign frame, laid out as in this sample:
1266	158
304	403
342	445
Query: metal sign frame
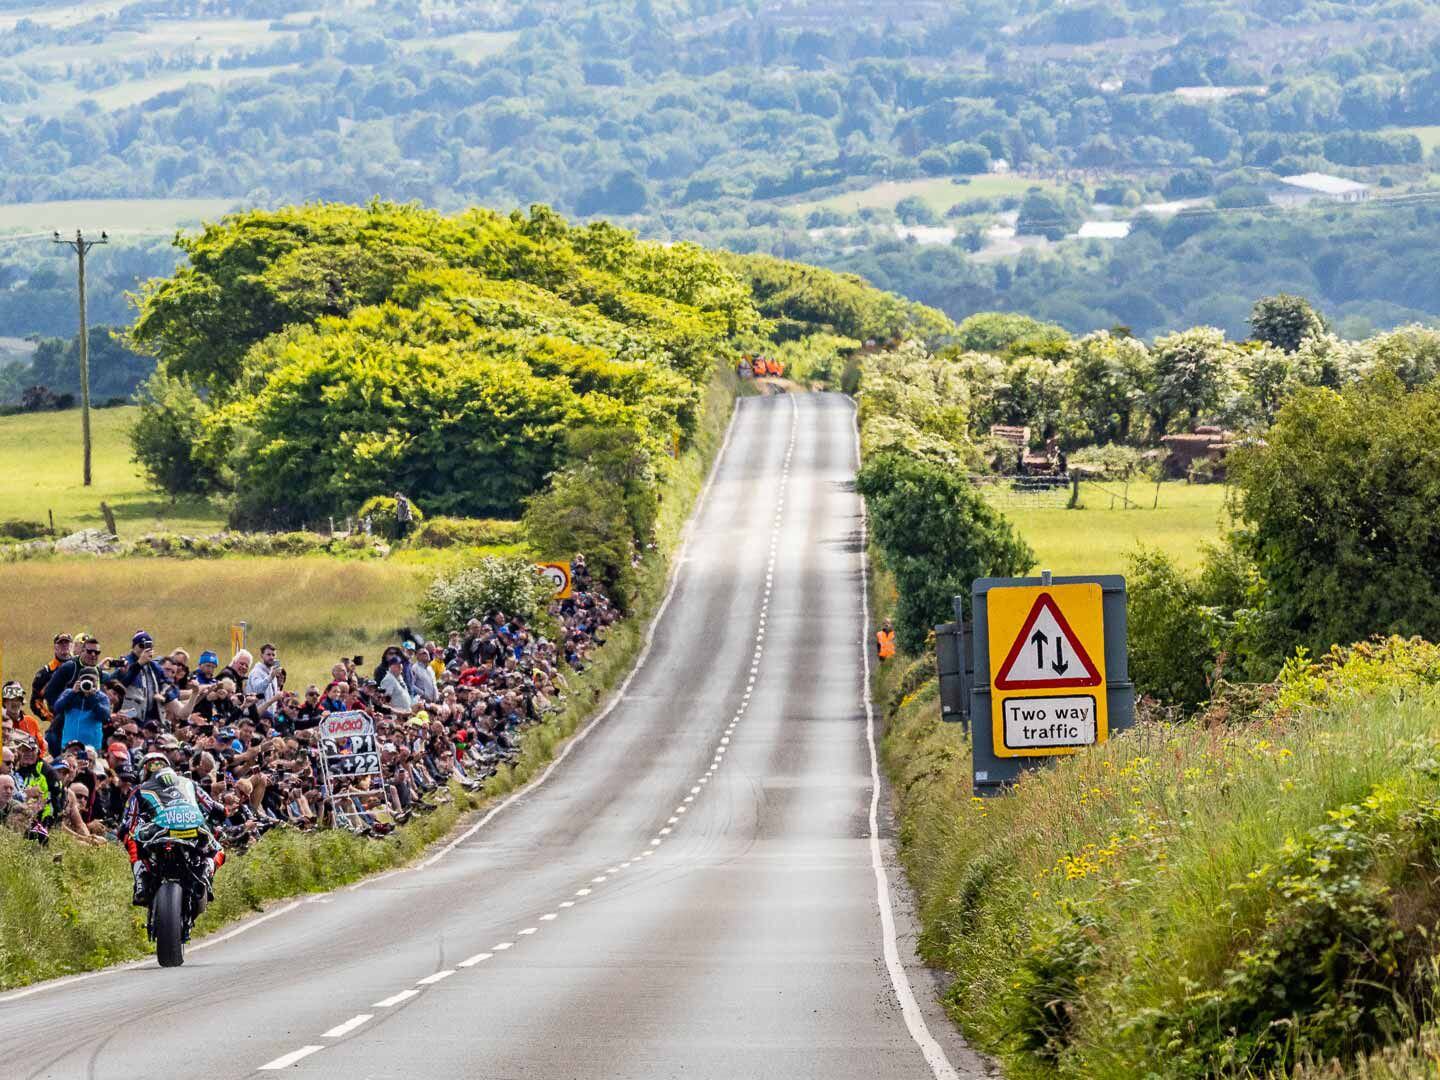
992	774
358	758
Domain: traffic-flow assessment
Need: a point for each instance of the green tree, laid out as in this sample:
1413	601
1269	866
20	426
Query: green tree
1109	379
936	534
583	510
1341	506
996	331
1284	321
1048	214
1170	647
1192	374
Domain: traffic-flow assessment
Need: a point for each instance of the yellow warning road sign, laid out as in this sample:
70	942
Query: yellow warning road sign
1047	669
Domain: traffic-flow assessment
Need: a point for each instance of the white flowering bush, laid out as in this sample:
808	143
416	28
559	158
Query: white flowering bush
505	583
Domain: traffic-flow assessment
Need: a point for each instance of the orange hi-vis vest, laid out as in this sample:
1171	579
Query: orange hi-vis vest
885	639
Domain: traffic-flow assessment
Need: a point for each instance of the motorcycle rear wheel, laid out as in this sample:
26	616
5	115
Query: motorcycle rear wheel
168	917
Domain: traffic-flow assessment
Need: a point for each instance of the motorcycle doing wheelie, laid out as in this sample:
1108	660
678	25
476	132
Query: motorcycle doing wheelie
175	857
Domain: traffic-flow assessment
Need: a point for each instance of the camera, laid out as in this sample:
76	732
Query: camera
86	684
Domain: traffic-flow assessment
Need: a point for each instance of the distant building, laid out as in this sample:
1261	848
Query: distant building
1104	230
1184	453
1309	187
1218	93
1000	165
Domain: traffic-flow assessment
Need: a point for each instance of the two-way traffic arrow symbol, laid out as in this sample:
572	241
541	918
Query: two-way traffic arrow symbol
1039	640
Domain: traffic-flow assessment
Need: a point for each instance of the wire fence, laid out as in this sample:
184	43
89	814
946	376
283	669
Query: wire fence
1024	492
1066	491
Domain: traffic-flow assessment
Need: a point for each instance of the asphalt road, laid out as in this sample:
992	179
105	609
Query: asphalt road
692	891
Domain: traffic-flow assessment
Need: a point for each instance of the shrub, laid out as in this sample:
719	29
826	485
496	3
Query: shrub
1170	632
936	534
166	436
381	511
17	529
1341	506
582	511
444	532
498	583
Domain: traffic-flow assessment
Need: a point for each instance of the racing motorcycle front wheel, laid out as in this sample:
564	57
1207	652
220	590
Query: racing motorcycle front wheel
167	920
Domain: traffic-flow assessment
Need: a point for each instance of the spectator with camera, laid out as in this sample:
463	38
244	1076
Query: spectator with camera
82	712
147	688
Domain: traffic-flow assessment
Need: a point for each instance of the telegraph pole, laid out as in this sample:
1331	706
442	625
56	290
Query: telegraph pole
82	247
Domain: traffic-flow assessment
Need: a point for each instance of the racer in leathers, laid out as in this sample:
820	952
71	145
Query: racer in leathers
162	786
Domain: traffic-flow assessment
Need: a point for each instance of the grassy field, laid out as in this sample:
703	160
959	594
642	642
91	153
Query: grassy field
1428	134
314	608
940	193
165	37
116	216
43	473
1096	538
135	91
471	45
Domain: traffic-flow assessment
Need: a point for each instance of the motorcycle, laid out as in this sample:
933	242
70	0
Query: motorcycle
175	849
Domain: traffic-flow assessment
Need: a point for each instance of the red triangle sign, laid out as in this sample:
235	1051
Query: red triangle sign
1047	654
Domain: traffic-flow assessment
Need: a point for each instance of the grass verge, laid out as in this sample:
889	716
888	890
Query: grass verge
1251	896
66	909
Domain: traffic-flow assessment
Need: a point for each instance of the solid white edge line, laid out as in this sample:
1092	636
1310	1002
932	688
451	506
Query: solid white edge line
348	1026
910	1008
286	1060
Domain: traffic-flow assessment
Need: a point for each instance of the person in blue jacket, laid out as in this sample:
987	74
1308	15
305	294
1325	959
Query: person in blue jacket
82	711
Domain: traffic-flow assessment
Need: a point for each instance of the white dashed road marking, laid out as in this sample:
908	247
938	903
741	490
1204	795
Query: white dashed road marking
286	1060
395	999
348	1026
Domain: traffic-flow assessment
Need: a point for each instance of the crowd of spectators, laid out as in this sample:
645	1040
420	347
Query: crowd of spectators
443	711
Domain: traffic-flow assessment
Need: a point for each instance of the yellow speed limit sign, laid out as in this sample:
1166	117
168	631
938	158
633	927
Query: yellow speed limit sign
1047	669
558	574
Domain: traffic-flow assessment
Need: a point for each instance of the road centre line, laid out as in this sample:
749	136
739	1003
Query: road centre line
348	1026
395	999
472	961
431	980
286	1060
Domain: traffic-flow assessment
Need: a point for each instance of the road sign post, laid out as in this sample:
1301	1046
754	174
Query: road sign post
953	662
1051	671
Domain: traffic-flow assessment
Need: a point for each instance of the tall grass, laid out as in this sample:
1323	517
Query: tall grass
1091	916
314	608
66	908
